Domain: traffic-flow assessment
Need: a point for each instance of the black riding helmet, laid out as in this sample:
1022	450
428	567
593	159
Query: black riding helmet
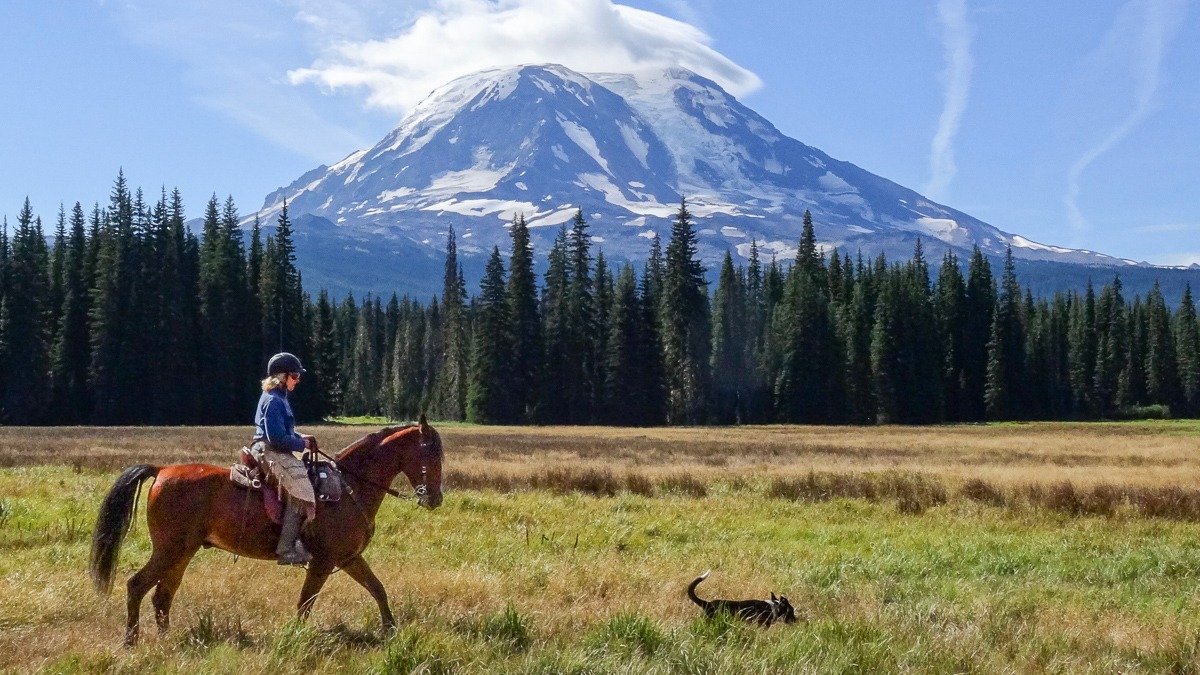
284	363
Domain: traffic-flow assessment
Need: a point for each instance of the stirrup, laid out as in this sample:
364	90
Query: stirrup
296	555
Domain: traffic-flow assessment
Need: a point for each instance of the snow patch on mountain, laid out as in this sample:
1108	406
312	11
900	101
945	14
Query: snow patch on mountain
543	141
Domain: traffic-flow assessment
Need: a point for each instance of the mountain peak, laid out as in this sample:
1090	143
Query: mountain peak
543	141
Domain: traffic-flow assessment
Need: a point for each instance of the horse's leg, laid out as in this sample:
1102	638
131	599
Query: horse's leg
313	581
161	560
164	592
361	572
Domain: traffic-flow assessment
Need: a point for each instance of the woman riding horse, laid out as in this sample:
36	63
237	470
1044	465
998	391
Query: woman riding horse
192	506
275	434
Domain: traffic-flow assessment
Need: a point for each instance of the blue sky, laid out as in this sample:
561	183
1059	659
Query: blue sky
1074	124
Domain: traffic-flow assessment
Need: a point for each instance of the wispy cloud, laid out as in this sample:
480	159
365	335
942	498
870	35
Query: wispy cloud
956	33
1138	40
234	56
1167	228
452	38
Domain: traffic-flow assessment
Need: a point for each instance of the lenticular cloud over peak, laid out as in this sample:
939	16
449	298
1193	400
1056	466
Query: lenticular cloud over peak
457	37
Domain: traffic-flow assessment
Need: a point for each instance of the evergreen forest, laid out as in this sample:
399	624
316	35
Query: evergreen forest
130	318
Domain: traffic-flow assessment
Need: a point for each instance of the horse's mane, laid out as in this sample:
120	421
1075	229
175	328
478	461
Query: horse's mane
374	438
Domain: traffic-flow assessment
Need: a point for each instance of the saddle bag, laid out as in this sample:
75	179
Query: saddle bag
246	477
327	481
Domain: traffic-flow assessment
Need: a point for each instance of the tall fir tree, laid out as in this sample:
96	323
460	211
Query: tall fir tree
1111	333
556	331
580	345
488	397
221	313
1162	385
449	398
69	361
26	321
686	329
807	388
1186	333
949	309
980	305
525	328
1082	353
1004	390
730	362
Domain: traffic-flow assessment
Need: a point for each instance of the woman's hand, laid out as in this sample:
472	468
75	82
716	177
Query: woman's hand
310	442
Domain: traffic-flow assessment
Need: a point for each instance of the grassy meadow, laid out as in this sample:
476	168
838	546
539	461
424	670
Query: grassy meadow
998	548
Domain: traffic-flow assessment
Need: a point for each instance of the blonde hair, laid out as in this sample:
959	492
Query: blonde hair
273	382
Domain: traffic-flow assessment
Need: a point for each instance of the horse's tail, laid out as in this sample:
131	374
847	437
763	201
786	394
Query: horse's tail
692	591
113	523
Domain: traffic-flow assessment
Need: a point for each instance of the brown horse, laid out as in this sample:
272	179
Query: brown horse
196	505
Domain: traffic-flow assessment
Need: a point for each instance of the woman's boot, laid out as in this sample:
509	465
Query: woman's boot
290	550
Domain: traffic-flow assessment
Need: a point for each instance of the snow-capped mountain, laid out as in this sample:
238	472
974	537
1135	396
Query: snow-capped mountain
544	141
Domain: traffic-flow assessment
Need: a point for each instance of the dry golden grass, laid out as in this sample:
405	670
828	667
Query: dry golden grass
918	571
1150	454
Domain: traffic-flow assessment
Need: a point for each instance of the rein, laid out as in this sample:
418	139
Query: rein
420	491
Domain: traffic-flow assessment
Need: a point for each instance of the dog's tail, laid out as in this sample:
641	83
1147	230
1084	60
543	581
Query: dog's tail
692	591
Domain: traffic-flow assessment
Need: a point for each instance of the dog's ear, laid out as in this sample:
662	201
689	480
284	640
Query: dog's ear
773	598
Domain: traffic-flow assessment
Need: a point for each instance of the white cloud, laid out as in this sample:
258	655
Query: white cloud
956	82
1137	40
452	38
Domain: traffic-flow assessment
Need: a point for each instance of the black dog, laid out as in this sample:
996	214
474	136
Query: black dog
764	612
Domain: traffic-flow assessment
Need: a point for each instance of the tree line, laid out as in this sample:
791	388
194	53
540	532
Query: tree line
129	318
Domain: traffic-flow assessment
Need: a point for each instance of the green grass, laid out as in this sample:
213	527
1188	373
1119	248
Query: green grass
540	582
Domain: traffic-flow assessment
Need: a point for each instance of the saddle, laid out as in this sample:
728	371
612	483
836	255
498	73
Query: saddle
249	474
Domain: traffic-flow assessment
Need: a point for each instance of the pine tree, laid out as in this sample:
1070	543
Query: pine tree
556	330
861	407
806	389
580	348
525	329
1082	353
633	368
409	360
26	312
686	329
488	399
362	383
1162	386
808	257
949	309
57	262
449	399
1111	332
221	284
323	376
980	305
730	364
603	298
1131	382
1004	389
1186	332
69	362
5	285
280	292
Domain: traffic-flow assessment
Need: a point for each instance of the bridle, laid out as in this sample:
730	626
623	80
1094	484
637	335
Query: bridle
420	491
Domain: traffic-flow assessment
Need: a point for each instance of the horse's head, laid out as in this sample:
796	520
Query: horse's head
419	450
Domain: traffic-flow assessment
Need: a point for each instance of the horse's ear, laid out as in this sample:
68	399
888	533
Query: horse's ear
424	423
773	598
